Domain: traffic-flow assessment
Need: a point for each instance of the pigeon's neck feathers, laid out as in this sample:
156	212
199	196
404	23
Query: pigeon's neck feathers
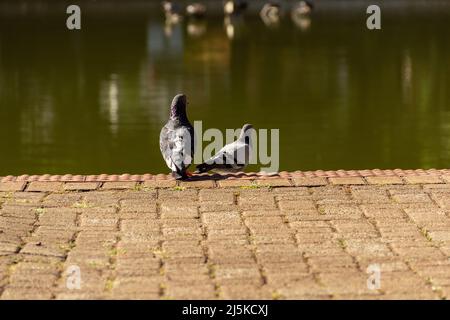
178	113
178	108
244	136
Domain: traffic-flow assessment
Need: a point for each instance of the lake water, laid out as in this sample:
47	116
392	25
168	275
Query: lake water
343	97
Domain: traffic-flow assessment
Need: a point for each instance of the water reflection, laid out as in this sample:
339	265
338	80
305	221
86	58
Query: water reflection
407	78
196	28
110	102
301	21
233	25
342	97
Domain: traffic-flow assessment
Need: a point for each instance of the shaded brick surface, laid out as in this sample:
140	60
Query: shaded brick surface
296	237
12	186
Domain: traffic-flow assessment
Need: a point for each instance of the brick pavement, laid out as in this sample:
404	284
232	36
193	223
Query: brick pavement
285	237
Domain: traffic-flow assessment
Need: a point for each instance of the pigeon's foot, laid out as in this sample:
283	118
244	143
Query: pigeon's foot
189	174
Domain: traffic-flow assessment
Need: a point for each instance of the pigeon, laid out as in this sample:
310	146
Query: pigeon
176	139
303	7
233	157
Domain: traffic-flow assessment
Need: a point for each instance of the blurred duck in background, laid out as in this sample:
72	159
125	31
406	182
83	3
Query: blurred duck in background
303	7
173	17
270	13
172	12
234	6
300	15
196	10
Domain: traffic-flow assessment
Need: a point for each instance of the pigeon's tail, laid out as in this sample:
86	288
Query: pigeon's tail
204	167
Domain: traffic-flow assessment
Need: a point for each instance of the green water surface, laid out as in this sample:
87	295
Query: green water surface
343	97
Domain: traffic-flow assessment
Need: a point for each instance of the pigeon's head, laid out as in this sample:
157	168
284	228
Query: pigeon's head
247	127
178	106
246	133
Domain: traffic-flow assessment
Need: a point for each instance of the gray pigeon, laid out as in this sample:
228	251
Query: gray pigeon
176	139
233	157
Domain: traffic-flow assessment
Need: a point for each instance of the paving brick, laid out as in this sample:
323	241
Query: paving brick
194	292
387	180
173	196
159	184
261	213
216	195
423	179
25	294
45	187
198	184
246	292
232	183
347	180
61	200
296	204
12	186
306	288
274	182
43	249
81	186
371	196
310	182
411	198
117	185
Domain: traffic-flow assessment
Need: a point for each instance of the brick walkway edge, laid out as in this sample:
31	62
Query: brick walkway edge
369	234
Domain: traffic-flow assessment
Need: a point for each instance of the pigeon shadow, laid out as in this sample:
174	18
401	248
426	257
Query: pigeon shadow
217	176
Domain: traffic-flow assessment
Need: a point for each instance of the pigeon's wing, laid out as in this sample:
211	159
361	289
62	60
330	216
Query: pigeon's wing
176	146
193	140
233	156
166	145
